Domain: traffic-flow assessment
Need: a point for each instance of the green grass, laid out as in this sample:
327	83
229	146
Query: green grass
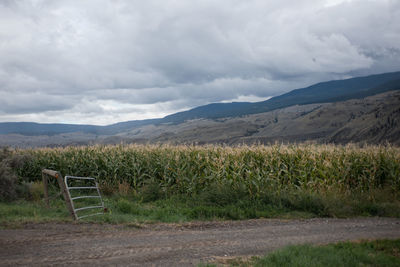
128	210
365	253
210	205
20	212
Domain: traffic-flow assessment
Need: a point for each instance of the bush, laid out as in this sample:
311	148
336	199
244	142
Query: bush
8	183
10	189
310	203
5	154
124	206
151	191
23	191
222	195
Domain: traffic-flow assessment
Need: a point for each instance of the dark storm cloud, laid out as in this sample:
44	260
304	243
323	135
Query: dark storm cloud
102	61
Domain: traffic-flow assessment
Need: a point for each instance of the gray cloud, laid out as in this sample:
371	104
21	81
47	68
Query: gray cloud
101	61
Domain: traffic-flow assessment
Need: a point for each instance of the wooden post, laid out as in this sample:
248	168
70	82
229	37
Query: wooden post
46	190
63	188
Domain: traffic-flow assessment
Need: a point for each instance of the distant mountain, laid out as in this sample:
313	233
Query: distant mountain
32	128
325	92
374	119
124	126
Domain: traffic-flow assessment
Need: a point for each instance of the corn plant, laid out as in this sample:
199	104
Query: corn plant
193	169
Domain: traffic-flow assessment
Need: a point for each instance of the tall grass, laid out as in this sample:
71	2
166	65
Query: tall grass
254	169
362	253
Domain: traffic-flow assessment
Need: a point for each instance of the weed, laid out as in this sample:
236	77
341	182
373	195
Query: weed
151	191
124	188
36	190
124	206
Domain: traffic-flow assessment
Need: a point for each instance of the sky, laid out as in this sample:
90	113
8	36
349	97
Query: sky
107	61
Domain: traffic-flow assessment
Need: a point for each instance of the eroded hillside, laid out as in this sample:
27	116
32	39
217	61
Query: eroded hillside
373	119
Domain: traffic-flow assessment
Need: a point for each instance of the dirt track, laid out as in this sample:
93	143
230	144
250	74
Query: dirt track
176	245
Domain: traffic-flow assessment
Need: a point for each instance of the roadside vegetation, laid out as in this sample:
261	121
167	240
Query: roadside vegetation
150	183
364	253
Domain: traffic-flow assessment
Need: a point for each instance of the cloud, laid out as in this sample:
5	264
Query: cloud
101	61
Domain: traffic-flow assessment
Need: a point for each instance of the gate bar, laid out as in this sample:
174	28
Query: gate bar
68	188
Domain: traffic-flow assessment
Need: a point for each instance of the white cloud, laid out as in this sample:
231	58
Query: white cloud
246	98
124	60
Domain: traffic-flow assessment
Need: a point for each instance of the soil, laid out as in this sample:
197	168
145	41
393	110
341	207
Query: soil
187	244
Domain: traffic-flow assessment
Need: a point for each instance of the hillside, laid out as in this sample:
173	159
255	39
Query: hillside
326	92
364	109
375	119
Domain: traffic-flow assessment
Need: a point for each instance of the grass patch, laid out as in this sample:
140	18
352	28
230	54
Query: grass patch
211	205
365	253
22	211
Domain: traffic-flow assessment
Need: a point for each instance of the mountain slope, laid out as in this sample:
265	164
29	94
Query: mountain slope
326	92
375	119
32	128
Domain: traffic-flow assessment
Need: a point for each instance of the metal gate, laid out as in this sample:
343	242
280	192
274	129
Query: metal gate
71	193
94	188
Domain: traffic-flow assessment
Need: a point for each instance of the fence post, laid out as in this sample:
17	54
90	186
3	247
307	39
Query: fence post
46	190
63	188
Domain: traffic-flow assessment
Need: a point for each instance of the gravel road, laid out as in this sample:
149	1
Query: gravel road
175	244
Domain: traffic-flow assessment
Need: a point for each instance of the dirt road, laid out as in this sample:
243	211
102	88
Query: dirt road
173	244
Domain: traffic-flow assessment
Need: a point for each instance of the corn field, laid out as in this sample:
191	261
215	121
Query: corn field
192	169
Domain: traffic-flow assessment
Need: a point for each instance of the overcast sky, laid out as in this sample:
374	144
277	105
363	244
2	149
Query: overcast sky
105	61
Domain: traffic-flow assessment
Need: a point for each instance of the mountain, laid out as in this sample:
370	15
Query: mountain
124	126
218	122
374	119
32	128
324	92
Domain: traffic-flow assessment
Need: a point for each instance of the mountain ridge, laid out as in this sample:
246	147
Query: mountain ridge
374	120
324	92
339	90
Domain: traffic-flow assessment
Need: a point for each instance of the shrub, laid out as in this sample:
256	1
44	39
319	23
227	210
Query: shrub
36	190
10	187
8	183
222	195
23	191
124	206
151	191
5	154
